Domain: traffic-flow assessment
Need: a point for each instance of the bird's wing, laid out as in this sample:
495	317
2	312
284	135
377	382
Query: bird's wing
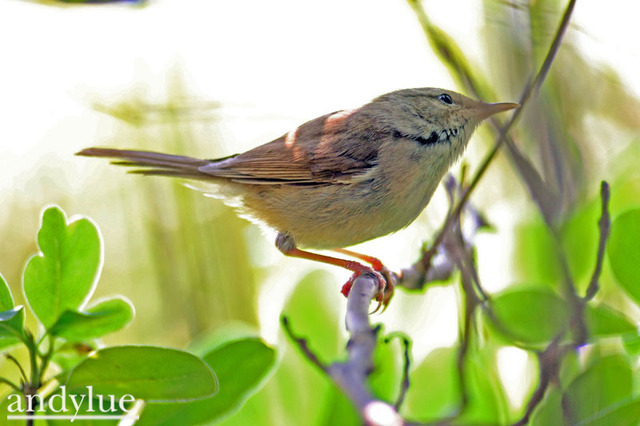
328	149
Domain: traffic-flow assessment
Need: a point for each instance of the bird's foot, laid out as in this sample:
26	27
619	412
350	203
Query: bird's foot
386	283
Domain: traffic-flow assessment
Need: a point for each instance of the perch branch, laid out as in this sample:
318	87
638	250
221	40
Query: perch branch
351	375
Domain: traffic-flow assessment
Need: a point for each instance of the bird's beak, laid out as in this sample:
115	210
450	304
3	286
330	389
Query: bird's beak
483	110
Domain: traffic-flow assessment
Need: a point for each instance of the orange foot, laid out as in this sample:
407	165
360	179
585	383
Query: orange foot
386	284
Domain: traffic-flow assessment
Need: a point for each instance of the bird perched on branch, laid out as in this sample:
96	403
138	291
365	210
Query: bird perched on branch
340	179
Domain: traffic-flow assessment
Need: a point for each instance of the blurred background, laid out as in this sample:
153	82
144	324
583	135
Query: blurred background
209	79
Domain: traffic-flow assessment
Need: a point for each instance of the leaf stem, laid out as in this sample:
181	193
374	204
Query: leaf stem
17	363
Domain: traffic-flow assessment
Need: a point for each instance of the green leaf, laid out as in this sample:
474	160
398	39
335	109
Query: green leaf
101	318
12	326
312	311
531	316
435	387
147	372
241	367
535	255
487	402
631	343
338	410
624	251
604	321
580	237
62	403
626	414
63	275
549	412
6	298
68	355
388	360
601	387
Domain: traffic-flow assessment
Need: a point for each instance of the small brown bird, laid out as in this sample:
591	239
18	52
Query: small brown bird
342	178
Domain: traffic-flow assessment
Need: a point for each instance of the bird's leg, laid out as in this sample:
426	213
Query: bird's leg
286	245
377	266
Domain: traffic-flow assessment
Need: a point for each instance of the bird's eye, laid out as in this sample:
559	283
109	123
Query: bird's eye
446	99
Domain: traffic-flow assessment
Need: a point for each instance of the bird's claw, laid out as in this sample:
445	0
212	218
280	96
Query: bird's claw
386	282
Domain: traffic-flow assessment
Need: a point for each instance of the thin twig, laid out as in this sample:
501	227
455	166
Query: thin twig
302	344
533	86
441	266
406	344
549	363
605	227
462	258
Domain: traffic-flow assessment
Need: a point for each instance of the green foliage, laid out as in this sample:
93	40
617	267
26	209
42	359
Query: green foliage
598	390
433	393
588	380
58	283
532	317
388	361
101	318
624	252
64	274
151	373
241	367
309	310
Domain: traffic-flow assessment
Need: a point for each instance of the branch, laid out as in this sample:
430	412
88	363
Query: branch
351	375
302	344
439	264
406	344
549	363
530	89
605	228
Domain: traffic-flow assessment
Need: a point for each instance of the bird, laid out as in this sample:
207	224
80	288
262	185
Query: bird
340	179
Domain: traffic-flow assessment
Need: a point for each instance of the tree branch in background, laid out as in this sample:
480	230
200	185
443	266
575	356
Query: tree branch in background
549	365
439	265
605	227
460	69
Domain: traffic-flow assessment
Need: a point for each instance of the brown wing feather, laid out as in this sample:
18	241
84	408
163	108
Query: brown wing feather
337	147
315	153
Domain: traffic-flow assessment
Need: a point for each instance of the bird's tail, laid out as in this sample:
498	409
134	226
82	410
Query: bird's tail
152	163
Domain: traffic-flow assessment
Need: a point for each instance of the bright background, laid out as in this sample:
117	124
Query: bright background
212	78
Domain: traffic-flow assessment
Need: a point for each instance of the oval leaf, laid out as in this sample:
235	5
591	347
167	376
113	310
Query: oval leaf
63	275
147	372
624	251
530	316
99	319
240	366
